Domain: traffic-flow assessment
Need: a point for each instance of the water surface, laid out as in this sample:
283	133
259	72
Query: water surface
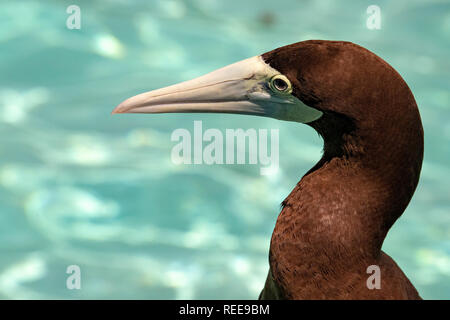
80	187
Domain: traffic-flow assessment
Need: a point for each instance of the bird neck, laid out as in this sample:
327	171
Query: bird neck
338	215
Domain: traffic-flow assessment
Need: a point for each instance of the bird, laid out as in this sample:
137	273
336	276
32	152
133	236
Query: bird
332	225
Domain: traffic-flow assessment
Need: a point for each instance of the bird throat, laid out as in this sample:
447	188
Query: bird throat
336	218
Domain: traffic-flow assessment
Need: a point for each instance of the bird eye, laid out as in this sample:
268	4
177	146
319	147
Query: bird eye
280	84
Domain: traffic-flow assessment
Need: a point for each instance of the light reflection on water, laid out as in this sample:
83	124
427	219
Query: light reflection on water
78	186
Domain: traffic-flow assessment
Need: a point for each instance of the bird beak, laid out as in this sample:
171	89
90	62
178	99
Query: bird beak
241	88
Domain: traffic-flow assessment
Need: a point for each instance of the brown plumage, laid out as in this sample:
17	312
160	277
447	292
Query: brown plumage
333	223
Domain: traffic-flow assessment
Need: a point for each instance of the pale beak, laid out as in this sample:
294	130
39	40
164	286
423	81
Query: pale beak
240	88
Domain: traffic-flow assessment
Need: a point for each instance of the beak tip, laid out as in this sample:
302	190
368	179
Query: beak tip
119	109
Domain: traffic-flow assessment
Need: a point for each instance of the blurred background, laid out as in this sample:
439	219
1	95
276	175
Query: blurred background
81	187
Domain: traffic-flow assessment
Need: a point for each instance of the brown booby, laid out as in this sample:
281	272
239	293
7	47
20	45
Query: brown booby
332	225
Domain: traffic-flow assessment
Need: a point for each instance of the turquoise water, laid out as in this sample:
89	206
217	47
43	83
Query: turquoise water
81	187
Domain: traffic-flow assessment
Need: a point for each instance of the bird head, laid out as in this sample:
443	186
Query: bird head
334	86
